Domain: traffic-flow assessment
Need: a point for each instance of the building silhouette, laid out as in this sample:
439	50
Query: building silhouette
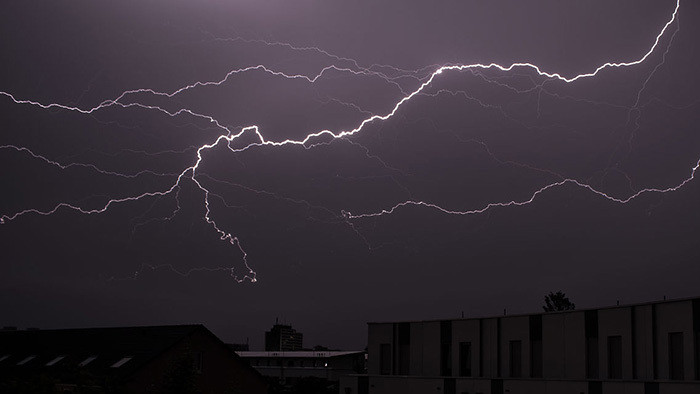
651	348
283	338
288	368
187	358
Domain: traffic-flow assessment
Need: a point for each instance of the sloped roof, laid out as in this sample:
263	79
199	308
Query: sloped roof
109	346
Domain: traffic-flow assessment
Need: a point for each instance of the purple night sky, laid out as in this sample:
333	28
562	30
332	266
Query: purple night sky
157	156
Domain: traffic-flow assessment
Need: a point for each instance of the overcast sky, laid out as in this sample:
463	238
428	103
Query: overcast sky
469	139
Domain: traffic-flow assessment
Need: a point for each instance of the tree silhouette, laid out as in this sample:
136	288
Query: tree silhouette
554	302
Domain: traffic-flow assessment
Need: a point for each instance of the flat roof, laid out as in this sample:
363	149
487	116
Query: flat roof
542	313
300	354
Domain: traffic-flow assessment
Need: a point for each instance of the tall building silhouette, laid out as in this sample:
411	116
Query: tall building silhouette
283	338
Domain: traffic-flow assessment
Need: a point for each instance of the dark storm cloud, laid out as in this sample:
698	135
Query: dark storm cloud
325	275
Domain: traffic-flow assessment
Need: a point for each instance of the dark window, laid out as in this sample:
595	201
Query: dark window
480	352
465	359
446	359
591	322
385	359
675	356
290	363
536	360
446	348
404	359
515	352
651	387
592	358
592	355
597	387
496	386
363	385
615	357
697	356
696	330
404	348
450	386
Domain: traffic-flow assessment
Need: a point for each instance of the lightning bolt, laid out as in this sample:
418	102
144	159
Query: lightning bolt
390	74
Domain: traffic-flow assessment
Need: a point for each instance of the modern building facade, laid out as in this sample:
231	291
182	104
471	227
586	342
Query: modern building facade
283	338
651	348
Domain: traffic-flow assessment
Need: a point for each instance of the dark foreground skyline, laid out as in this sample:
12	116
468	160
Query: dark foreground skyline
485	190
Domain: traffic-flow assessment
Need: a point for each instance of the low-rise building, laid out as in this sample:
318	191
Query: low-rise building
651	348
186	358
287	367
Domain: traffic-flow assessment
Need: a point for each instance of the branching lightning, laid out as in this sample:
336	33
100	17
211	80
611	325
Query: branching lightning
392	75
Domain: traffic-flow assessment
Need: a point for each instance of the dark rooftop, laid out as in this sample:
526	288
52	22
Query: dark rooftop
101	351
663	301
